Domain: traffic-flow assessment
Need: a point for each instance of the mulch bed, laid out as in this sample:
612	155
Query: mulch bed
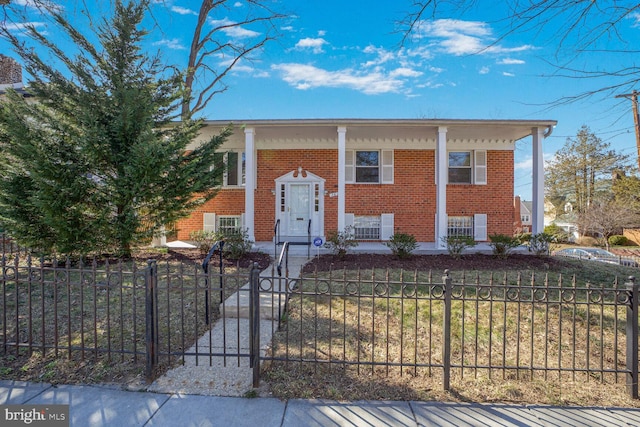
433	262
196	256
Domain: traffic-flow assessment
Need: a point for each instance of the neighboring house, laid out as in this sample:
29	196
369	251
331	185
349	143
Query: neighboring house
523	215
10	75
429	178
566	219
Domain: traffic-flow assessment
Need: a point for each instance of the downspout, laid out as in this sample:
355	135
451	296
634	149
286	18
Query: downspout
548	132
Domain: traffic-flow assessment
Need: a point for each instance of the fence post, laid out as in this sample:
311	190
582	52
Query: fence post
151	318
254	323
446	326
632	337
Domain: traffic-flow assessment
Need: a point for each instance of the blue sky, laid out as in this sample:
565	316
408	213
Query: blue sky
343	59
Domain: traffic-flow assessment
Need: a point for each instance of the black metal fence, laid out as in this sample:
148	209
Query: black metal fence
511	328
153	313
143	313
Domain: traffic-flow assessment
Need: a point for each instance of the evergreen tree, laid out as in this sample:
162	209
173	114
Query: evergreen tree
582	170
97	163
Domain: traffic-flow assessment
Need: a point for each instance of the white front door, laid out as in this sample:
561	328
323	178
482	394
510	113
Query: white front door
299	199
299	206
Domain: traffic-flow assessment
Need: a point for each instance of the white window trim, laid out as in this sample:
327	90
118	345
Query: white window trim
385	166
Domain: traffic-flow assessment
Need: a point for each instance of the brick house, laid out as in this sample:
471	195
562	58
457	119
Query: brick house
427	177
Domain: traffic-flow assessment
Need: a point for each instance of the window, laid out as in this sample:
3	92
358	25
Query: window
524	218
367	227
468	167
228	225
234	174
460	226
369	166
224	224
460	167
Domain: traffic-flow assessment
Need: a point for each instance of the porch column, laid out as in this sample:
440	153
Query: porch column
442	168
250	182
342	148
537	214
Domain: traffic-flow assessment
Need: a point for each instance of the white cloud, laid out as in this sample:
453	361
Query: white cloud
322	33
524	165
422	52
183	10
508	74
232	28
309	43
21	26
238	4
383	56
510	61
463	37
303	76
404	72
484	70
173	44
33	4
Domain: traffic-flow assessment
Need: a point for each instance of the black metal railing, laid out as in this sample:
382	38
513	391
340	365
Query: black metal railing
217	246
276	237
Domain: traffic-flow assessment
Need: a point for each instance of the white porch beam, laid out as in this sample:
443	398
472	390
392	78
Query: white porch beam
441	188
342	148
250	182
537	214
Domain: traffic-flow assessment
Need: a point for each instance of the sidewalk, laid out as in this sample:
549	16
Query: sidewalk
103	406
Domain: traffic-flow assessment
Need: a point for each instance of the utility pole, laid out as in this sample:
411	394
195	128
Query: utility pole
636	121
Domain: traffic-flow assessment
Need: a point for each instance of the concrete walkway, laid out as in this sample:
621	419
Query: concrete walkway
230	376
96	406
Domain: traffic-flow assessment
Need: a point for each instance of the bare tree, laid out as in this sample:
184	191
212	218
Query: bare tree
226	41
606	218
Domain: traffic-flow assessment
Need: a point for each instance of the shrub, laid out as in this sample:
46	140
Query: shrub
236	245
540	244
524	238
457	244
402	244
204	239
503	245
619	240
558	233
339	242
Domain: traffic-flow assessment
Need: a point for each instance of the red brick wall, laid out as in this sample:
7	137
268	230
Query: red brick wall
494	199
412	197
226	202
273	164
